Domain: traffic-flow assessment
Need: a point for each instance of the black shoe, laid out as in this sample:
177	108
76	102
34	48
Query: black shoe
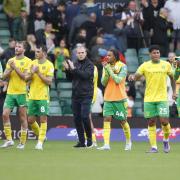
79	145
89	144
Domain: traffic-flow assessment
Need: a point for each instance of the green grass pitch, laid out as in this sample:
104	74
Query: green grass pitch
59	161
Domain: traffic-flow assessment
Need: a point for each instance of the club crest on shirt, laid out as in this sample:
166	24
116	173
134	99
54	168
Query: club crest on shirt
21	63
43	67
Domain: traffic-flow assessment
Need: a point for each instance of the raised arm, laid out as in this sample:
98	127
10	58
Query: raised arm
105	77
117	77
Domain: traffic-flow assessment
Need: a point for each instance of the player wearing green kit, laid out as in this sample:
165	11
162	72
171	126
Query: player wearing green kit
156	105
15	72
40	76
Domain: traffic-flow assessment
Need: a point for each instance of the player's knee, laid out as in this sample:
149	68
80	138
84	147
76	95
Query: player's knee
151	123
164	123
107	119
5	116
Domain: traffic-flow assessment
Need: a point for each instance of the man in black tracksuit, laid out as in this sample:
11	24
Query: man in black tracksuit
81	73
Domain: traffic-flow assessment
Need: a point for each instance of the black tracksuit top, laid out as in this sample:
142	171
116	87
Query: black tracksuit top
82	79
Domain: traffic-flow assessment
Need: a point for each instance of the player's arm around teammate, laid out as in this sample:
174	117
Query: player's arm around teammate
115	98
40	76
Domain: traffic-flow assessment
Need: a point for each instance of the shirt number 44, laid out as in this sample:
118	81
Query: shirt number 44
119	114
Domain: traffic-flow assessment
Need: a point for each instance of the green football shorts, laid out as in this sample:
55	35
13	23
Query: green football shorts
15	100
117	109
38	107
156	109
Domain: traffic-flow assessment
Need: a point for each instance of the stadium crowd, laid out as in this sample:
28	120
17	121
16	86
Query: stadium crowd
61	25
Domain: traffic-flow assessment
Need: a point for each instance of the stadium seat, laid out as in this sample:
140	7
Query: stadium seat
2	16
139	112
64	85
177	52
54	103
138	104
131	52
132	68
144	58
53	87
65	94
66	104
143	51
55	110
53	94
3	24
132	60
4	33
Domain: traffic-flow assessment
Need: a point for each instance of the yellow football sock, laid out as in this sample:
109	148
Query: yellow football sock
35	128
93	137
8	131
42	132
23	136
127	131
152	136
107	131
166	130
85	136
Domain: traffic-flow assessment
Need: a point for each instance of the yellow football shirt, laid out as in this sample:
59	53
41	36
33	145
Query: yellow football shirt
16	84
156	80
38	89
95	81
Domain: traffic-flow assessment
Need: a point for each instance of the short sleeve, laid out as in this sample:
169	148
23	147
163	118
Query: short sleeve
141	69
7	65
169	70
50	71
28	66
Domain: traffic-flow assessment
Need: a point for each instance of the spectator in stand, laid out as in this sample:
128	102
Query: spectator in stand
171	60
39	22
150	13
31	46
121	37
46	37
107	17
21	26
27	6
77	22
81	37
38	5
48	10
12	9
160	37
72	11
8	53
94	50
61	53
174	16
60	24
133	19
90	27
118	12
92	7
